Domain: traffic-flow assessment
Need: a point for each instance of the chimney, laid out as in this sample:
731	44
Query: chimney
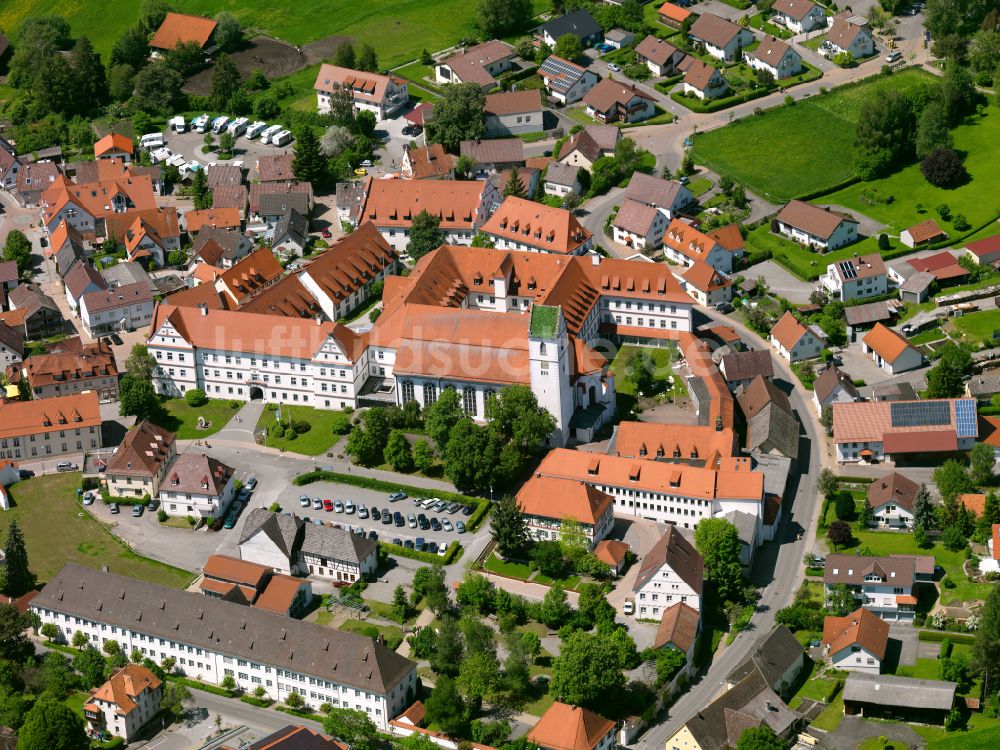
204	310
595	259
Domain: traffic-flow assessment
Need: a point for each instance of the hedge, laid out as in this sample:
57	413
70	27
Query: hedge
477	518
837	685
255	701
113	744
311	715
198	685
697	105
450	556
937	636
856	480
369	483
945	650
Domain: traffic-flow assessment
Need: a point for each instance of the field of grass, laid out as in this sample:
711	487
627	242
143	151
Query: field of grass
178	417
980	325
982	738
506	567
317	440
874	743
57	530
799	149
832	715
392	634
397	29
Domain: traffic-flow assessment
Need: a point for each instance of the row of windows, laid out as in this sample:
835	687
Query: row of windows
64	447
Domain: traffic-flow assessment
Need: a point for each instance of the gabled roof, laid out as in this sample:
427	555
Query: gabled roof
143	450
772	656
795	9
771	51
235	570
285	530
562	499
394	203
560	74
430	161
197	474
470	66
513	102
218	175
893	488
220	218
748	365
829	379
119	296
986	246
674	12
256	271
819	222
704	277
294	738
337	544
698	73
788	330
125	686
974	502
291	226
565	727
80	276
611	551
678	627
494	150
609	94
579	23
870	312
861	628
562	174
635	217
656	50
896	570
368	87
351	262
112	143
280	594
899	692
275	168
925	231
689	241
655	191
593	142
863	267
554	230
288	297
760	393
12	338
178	28
79	410
843	31
674	442
714	30
677	553
885	342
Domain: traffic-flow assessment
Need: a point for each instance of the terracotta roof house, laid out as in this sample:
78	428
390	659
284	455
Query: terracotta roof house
612	101
231	196
831	386
180	28
114	146
381	95
89	368
974	502
566	81
520	224
695	444
275	168
795	341
232	579
707	286
546	502
924	233
776	57
660	57
250	276
33	180
151	236
798	16
140	461
679	628
850	33
514	113
673	15
638	225
740	368
672	571
877	430
286	596
427	163
217	218
124	704
943	266
565	727
51	427
890	350
857	642
821	229
613	553
892	499
985	250
480	64
684	244
722	39
586	146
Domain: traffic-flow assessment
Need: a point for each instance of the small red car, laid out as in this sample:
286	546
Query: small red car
328	505
326	234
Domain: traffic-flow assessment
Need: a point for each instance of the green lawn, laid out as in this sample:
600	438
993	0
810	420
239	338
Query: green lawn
832	715
699	186
979	325
661	359
874	743
983	734
178	417
397	29
392	634
506	567
799	149
57	530
317	440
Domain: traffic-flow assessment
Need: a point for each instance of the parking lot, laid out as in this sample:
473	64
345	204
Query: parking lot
190	145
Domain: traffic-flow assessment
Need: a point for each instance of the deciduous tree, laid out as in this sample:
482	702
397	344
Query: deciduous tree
760	738
568	47
352	727
884	133
425	235
51	725
442	416
449	648
137	398
446	708
498	18
17	248
943	167
344	56
718	542
588	671
458	114
367	59
228	32
932	129
398	453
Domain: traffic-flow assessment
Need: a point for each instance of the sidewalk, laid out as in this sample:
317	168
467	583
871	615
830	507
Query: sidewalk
425	618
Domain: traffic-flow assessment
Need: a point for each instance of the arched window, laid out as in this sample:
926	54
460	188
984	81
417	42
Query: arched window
469	401
407	387
430	394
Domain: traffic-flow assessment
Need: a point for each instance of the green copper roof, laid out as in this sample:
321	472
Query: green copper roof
544	321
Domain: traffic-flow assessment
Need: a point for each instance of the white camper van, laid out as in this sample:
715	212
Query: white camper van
178	124
282	138
255	129
219	124
200	124
266	136
237	126
152	141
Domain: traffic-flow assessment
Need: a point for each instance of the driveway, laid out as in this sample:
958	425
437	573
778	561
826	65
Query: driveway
781	281
854	730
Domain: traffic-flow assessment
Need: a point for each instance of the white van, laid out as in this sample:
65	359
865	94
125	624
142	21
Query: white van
160	154
200	124
188	169
255	129
265	137
237	126
219	124
151	141
178	124
282	138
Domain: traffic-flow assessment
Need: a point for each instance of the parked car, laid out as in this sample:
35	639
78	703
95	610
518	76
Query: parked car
420	545
66	466
337	506
440	505
325	234
376	513
232	516
386	518
304	501
154	503
137	510
114	509
251	483
436	524
88	498
629	607
317	504
397	496
467	510
612	66
243	495
397	541
25	473
432	547
423	522
373	535
397	518
453	508
460	527
358	530
362	511
349	507
408	544
446	524
411	521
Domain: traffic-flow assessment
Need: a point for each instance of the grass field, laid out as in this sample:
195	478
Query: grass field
317	440
799	149
397	29
986	738
980	325
57	530
178	417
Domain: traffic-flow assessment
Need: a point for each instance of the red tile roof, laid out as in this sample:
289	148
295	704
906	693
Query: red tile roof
77	411
565	727
788	330
178	28
885	342
678	627
926	231
561	499
555	230
862	628
674	12
113	142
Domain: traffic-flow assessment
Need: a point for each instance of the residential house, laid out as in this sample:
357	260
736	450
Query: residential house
527	176
86	207
514	113
613	101
180	28
566	81
850	33
984	386
925	233
10	165
880	430
777	656
152	235
638	225
798	16
619	38
33	179
776	57
217	218
684	244
672	571
817	228
771	424
882	584
80	279
892	499
720	38
140	461
272	539
220	248
275	168
250	276
286	596
122	274
984	251
562	179
51	427
673	15
126	703
292	738
382	95
741	368
856	278
547	503
91	368
579	23
462	207
661	57
719	725
479	64
943	268
586	146
232	579
378	679
197	485
898	698
694	444
703	80
493	155
991	562
795	341
11	346
613	553
707	286
69	250
857	642
429	162
291	234
669	197
679	628
520	224
115	146
123	308
890	351
832	386
231	196
32	311
566	727
273	203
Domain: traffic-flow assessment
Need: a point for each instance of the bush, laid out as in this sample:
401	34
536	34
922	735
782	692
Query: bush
960	223
196	397
340	424
234	404
161	515
274	507
943	168
945	650
192	521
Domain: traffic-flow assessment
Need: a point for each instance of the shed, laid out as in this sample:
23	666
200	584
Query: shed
901	698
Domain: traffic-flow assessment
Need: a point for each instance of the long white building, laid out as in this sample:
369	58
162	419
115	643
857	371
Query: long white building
211	639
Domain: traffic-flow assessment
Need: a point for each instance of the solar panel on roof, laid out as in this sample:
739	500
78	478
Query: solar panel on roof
920	413
965	418
848	270
567	73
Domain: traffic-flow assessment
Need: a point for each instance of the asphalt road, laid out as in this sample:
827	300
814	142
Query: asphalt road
778	567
